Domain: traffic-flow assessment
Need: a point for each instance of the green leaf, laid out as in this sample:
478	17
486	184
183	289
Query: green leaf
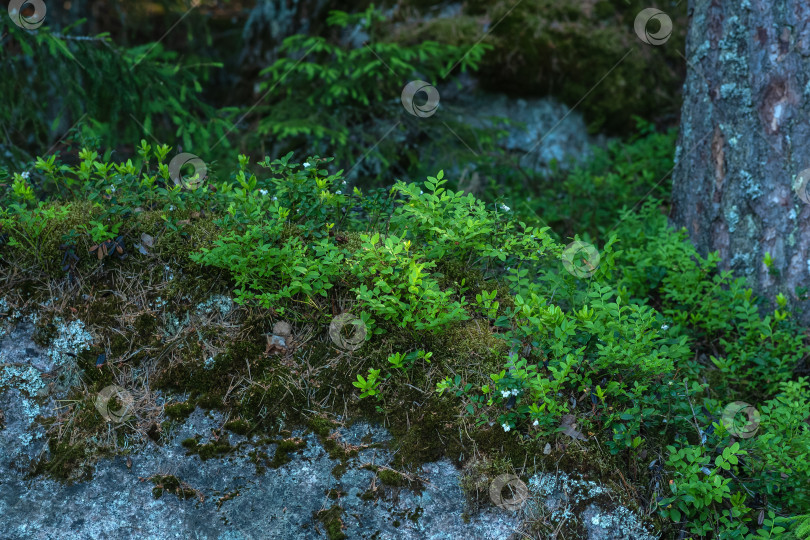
675	515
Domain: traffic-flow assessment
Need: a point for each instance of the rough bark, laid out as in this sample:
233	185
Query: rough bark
745	137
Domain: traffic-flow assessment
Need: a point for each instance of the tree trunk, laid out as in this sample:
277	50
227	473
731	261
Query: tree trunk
745	139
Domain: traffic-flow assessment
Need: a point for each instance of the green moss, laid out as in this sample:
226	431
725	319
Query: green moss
145	325
321	426
90	431
208	387
340	469
190	443
473	338
46	260
67	462
338	452
419	443
238	426
391	478
260	459
283	450
208	450
190	237
103	312
332	521
171	484
388	477
179	411
214	449
477	476
119	345
211	401
86	361
334	450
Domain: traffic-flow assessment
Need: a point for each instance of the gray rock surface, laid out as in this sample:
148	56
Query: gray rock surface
551	131
590	505
232	499
541	132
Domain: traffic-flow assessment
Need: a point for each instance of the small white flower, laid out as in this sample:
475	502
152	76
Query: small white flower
171	207
506	427
275	198
515	392
306	164
505	208
25	174
665	327
112	188
263	191
505	393
536	423
339	192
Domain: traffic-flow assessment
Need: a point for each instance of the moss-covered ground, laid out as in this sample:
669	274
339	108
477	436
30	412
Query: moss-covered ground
480	348
153	328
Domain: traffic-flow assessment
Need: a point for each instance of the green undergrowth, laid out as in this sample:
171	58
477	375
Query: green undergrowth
100	105
457	327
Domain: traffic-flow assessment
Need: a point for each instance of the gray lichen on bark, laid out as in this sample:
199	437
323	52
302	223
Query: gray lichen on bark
745	136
